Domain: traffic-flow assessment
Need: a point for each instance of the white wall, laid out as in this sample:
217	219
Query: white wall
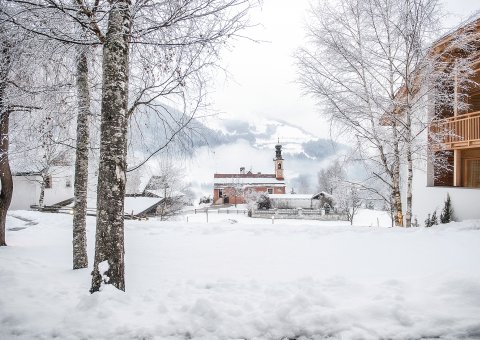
59	191
290	203
26	191
465	201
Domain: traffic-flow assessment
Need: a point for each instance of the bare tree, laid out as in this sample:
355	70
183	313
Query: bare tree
5	173
348	200
235	189
367	64
66	24
351	76
329	178
168	183
16	66
302	183
251	198
42	141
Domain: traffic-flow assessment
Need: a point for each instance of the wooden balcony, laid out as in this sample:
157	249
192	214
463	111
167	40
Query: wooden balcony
454	133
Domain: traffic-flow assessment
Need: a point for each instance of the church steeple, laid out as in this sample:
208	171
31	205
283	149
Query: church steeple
278	161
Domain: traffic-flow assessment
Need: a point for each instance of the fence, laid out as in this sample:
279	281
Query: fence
300	214
462	131
90	211
221	211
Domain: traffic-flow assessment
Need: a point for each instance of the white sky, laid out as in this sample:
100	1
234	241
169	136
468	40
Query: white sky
262	75
261	86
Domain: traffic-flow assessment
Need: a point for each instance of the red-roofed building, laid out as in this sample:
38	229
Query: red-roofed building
231	188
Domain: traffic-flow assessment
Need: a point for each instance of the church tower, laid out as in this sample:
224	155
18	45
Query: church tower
278	160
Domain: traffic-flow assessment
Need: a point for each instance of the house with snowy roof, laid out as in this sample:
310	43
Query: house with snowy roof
156	197
54	188
233	188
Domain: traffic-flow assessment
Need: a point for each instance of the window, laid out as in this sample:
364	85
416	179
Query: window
270	190
220	193
443	169
68	182
279	166
472	173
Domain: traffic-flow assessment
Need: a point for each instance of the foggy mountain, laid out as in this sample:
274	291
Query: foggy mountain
225	145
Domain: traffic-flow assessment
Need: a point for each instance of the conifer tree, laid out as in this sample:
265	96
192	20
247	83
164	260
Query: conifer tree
434	219
446	215
428	222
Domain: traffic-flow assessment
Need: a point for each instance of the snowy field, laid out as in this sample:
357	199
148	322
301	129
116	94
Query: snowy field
241	278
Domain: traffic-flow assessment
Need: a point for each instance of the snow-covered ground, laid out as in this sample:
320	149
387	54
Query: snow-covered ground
241	278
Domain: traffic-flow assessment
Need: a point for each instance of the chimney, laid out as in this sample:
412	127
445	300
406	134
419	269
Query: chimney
242	170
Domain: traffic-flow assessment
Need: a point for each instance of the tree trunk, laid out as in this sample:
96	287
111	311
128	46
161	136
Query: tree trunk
396	193
408	214
164	209
397	203
42	190
109	265
80	257
6	180
5	173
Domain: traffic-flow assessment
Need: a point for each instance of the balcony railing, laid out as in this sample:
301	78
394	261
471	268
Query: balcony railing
459	132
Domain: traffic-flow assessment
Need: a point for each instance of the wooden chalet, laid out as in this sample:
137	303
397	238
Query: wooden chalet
459	143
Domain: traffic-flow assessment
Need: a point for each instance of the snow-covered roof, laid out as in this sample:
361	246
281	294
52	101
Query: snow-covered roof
247	175
322	194
53	170
136	205
27	173
290	196
248	180
139	204
160	192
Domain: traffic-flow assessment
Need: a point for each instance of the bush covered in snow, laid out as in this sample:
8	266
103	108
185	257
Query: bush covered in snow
264	202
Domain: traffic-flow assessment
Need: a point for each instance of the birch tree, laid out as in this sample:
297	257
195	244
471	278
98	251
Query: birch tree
80	257
370	66
5	172
16	65
109	238
203	27
352	76
68	24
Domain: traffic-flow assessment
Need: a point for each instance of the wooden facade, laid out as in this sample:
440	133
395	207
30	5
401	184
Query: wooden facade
455	134
460	132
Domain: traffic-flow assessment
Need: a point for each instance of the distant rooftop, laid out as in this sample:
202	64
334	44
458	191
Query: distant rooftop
247	175
291	196
247	180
